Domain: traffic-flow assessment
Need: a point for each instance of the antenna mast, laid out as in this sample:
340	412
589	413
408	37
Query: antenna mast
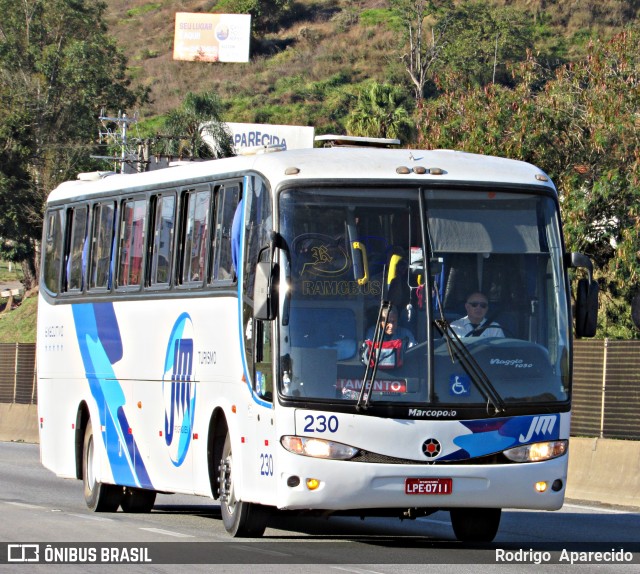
118	136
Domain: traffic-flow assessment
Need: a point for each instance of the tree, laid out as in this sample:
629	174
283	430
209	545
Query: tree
476	40
423	42
379	113
196	129
483	40
265	14
58	67
581	126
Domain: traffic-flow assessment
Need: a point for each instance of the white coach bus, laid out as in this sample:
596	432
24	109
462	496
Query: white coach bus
279	331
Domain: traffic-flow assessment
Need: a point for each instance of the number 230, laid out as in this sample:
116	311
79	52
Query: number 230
321	423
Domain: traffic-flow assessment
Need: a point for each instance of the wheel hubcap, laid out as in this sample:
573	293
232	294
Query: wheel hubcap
227	495
90	475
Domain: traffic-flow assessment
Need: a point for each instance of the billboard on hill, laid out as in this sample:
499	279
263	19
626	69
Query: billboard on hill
212	37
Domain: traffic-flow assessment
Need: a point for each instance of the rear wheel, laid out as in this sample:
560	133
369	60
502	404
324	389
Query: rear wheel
98	496
475	524
240	519
138	500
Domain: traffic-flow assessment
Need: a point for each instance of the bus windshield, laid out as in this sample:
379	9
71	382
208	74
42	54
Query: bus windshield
464	289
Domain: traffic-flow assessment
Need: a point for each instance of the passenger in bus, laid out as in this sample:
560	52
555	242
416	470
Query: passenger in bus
475	324
395	341
392	329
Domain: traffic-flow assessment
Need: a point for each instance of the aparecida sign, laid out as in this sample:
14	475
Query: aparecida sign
250	136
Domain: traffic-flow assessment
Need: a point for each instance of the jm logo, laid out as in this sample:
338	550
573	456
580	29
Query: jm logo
180	386
179	389
540	426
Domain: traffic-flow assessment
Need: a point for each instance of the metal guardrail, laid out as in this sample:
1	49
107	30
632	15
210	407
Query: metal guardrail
18	373
606	389
606	385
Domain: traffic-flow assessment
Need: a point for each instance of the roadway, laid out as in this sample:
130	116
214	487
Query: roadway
39	508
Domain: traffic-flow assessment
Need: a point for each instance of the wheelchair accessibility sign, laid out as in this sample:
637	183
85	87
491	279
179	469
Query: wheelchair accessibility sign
459	385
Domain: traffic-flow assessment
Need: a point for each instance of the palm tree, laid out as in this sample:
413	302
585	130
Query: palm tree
196	129
380	113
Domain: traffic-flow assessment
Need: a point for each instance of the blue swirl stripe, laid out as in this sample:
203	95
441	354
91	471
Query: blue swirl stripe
100	345
489	436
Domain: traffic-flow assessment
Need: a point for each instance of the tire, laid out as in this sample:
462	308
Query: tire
137	500
98	496
240	519
475	524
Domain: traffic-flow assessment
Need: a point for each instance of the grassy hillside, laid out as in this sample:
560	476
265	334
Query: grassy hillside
19	325
308	71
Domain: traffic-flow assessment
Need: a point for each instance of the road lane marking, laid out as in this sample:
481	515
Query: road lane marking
25	505
599	509
263	551
167	532
356	570
89	517
434	521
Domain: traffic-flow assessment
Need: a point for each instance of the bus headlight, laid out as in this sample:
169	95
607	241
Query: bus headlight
318	448
537	452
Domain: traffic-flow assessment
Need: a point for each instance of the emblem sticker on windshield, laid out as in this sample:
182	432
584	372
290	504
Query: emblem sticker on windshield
459	386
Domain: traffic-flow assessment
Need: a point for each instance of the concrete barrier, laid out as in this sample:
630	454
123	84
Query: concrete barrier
18	423
600	470
604	470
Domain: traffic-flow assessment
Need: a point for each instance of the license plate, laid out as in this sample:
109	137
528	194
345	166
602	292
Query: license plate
428	485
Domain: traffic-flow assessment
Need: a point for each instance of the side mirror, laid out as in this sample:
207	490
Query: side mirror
586	314
265	291
586	308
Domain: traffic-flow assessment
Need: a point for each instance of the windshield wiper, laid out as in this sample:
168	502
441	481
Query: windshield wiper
478	377
457	349
374	357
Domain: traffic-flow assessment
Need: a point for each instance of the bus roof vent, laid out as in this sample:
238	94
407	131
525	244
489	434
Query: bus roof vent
259	149
94	175
355	141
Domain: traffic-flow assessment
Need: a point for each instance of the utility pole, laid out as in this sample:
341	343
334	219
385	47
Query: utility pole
118	137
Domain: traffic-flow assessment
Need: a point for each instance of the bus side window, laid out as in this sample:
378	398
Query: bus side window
227	199
101	245
53	249
163	224
132	242
195	235
76	251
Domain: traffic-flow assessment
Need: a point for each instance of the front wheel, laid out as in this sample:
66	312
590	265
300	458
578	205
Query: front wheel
475	524
240	519
99	497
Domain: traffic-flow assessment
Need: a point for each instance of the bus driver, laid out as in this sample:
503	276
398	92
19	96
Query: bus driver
475	323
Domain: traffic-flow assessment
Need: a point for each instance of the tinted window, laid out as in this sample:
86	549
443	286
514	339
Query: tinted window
132	242
162	248
194	250
102	243
53	249
226	203
77	252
